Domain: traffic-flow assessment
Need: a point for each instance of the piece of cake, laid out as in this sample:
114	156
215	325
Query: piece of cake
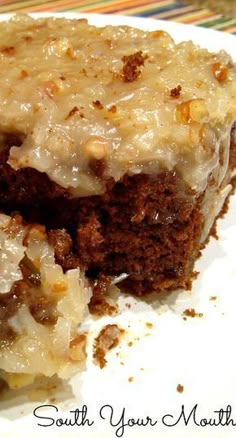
40	307
121	142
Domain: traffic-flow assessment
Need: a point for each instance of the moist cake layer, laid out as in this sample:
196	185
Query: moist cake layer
78	95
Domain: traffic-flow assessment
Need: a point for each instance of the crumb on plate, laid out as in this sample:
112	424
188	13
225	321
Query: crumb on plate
108	338
180	388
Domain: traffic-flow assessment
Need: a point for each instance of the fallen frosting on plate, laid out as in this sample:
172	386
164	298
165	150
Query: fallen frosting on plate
41	307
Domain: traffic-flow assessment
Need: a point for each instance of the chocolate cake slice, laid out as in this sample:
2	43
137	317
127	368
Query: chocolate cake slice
121	142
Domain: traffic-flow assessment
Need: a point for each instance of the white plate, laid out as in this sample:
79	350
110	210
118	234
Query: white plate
197	353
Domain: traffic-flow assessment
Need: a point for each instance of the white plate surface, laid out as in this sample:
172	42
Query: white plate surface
198	353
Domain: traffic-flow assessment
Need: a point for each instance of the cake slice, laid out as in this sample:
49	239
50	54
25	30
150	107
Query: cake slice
121	142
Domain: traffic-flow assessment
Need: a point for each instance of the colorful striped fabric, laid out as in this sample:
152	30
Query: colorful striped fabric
161	9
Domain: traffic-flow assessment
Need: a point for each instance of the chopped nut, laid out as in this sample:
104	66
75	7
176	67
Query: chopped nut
182	112
72	112
59	287
191	110
112	109
51	88
70	53
219	71
198	110
158	33
95	147
164	36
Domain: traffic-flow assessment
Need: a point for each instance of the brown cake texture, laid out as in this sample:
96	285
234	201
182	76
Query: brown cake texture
148	228
125	153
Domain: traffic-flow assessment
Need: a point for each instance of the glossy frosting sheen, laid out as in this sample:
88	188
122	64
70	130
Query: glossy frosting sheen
64	87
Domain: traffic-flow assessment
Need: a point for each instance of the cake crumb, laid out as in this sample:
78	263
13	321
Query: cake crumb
99	306
149	325
112	109
131	70
130	379
191	313
130	344
97	104
175	92
107	339
213	298
180	388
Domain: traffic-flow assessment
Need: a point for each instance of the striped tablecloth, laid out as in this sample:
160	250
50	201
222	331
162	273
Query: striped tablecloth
161	9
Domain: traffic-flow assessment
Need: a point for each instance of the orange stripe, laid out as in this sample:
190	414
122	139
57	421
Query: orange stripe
82	6
191	18
204	18
118	5
230	29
